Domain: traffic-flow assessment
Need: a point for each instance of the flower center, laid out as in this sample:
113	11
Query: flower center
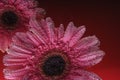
54	66
9	18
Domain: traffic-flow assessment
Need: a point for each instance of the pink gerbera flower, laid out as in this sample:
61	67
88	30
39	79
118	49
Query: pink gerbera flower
14	16
49	53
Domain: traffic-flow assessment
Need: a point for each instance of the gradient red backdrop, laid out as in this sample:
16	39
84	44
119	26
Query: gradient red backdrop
101	18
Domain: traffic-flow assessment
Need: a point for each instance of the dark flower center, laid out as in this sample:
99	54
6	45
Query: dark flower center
54	66
9	18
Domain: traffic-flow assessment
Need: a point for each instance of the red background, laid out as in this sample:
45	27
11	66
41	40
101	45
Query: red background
101	18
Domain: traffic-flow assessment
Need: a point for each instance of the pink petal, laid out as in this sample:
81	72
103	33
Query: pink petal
34	23
13	61
86	45
50	29
9	58
20	49
80	74
90	59
87	42
15	74
4	42
61	31
24	38
38	26
33	38
39	36
69	32
22	41
18	54
40	13
78	34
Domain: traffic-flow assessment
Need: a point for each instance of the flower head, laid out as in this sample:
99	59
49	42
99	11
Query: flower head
46	52
14	17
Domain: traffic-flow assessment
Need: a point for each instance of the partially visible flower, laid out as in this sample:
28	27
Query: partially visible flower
49	53
14	17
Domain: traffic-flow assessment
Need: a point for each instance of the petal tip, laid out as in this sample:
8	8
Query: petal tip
49	19
71	24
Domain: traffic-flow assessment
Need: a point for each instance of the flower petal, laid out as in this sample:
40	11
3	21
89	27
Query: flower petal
69	32
18	54
50	29
21	40
86	45
80	74
13	61
87	42
61	31
33	38
14	74
90	59
4	42
78	34
38	26
39	36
